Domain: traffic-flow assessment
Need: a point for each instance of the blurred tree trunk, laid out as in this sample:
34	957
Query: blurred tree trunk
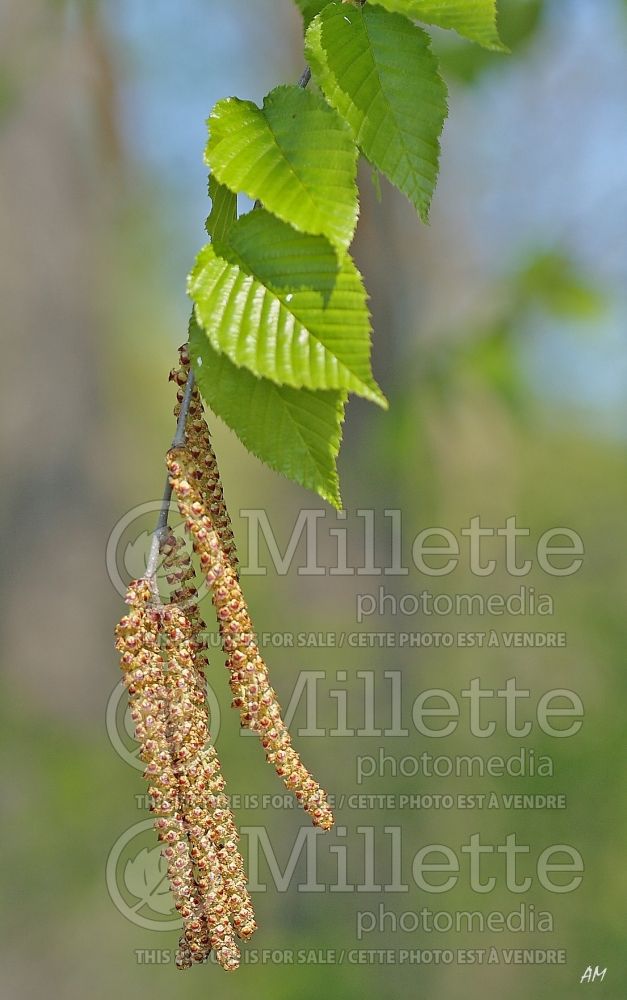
60	156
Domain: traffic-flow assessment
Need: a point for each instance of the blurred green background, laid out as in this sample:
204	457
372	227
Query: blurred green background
500	342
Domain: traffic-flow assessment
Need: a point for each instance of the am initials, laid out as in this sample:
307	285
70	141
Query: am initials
591	975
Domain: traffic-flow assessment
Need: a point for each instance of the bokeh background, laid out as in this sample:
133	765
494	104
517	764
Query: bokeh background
500	342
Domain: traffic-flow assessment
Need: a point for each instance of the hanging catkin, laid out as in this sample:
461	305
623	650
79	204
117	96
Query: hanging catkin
138	641
205	805
253	694
163	656
198	439
160	659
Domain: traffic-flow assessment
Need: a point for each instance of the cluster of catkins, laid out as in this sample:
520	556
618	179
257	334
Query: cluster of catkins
163	657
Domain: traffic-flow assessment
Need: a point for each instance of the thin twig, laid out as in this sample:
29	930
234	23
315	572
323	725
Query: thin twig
162	521
179	439
305	77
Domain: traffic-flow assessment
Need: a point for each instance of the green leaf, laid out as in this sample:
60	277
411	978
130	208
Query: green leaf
378	70
475	19
553	280
223	209
519	23
295	431
296	155
274	301
309	8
